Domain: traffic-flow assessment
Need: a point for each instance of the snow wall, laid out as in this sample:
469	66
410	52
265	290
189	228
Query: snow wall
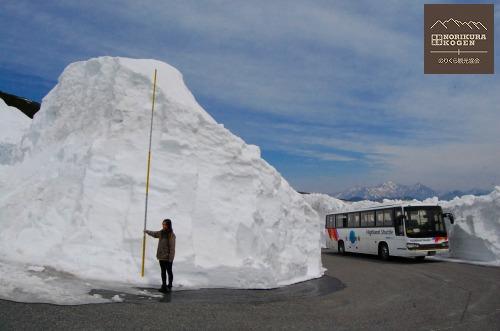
474	237
72	191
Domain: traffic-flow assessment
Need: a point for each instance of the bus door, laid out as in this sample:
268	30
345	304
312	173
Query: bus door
399	245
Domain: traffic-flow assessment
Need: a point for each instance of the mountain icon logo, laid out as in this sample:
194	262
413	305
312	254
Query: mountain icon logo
451	22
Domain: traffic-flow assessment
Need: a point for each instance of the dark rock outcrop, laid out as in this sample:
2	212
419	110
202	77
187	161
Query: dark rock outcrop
28	107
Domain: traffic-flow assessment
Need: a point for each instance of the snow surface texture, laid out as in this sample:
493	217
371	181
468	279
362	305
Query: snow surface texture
73	198
475	236
14	125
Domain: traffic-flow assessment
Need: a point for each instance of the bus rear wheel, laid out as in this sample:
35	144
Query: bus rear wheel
341	248
383	252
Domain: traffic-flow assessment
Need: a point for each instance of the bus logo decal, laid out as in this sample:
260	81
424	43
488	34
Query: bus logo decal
333	234
352	237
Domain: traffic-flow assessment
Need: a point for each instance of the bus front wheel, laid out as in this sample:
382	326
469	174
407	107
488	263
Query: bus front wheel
341	248
383	252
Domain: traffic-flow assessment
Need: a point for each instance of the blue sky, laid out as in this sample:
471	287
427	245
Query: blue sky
332	91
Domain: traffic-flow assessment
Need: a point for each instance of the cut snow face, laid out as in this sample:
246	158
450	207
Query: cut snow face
475	236
75	201
476	233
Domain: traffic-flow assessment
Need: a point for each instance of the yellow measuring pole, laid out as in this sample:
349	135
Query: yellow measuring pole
147	177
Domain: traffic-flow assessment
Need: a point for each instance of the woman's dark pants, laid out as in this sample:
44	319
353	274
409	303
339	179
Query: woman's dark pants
166	267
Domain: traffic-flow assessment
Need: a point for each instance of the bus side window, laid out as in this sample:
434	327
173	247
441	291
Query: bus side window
388	217
380	218
339	221
344	221
370	219
353	220
328	222
367	219
364	219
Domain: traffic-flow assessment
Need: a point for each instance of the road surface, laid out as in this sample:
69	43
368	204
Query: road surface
358	292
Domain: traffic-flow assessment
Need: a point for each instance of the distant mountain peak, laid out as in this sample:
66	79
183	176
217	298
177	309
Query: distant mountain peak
393	190
387	190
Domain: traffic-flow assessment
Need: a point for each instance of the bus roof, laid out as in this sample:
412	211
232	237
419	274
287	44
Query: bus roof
403	204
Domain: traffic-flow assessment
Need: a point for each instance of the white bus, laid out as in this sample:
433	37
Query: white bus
393	230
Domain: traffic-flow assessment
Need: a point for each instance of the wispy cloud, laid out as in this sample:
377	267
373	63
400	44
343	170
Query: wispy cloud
339	82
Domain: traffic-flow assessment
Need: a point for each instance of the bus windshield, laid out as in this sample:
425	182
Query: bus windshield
423	222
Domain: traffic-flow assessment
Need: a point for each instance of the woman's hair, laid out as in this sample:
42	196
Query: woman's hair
169	222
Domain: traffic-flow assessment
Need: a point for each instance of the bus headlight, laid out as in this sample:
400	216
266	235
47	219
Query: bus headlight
412	246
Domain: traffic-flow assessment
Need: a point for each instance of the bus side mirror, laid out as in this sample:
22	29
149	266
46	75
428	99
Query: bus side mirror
450	217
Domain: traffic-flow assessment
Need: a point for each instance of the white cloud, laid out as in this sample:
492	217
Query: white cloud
317	155
345	77
468	165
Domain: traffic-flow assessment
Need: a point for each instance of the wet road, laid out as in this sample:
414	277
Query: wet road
310	289
358	292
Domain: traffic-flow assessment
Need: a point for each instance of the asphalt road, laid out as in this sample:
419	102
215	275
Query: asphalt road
358	292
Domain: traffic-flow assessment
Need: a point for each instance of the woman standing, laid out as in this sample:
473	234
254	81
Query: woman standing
165	252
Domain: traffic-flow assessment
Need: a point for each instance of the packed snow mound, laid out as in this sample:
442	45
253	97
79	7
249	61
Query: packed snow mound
75	201
14	125
474	237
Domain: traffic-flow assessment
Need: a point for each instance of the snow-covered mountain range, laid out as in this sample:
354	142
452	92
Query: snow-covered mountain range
392	190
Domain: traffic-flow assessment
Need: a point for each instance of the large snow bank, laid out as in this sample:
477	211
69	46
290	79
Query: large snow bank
13	125
75	199
474	237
